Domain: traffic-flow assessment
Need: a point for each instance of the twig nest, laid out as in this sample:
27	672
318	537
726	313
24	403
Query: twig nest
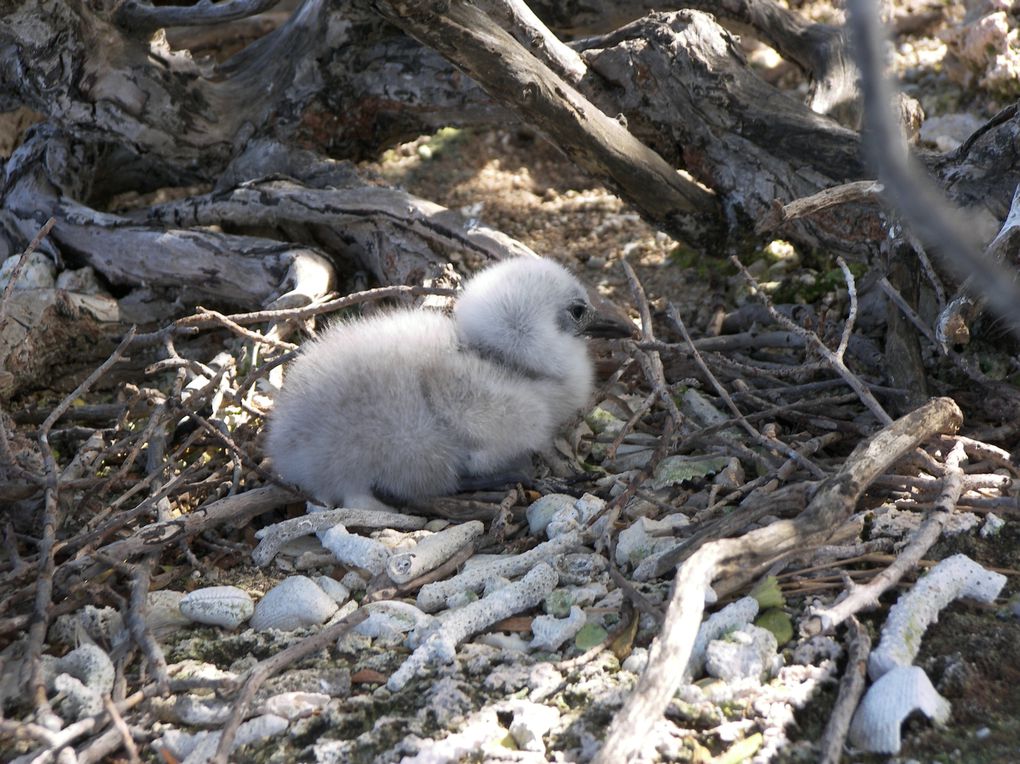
897	694
294	603
225	606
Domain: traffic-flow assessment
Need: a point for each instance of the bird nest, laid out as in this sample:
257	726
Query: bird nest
760	462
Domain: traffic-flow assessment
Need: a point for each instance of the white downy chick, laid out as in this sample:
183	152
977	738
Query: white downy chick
406	405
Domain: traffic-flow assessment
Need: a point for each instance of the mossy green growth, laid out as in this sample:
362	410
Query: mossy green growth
778	622
589	636
558	603
600	420
768	594
443	141
701	265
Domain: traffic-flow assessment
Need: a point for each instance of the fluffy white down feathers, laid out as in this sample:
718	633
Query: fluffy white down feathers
409	403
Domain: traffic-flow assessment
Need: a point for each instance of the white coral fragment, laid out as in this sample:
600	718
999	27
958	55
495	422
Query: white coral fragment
454	626
200	747
876	724
954	577
432	597
530	724
390	618
90	664
747	653
296	705
731	617
356	551
543	509
551	632
646	537
432	551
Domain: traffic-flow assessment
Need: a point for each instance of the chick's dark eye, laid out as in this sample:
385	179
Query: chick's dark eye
577	311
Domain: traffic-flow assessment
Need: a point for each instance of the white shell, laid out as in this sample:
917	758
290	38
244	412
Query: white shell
164	615
890	700
336	590
225	606
294	603
541	512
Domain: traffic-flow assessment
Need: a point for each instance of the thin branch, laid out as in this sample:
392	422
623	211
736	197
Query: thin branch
832	503
851	687
833	359
863	597
20	266
938	224
141	16
529	30
771	443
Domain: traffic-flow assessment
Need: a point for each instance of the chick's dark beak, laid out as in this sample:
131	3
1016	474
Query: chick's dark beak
607	320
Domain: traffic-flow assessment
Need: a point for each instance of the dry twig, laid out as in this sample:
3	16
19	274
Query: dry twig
833	501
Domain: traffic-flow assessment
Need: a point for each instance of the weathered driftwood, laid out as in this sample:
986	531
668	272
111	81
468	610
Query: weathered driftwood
598	143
